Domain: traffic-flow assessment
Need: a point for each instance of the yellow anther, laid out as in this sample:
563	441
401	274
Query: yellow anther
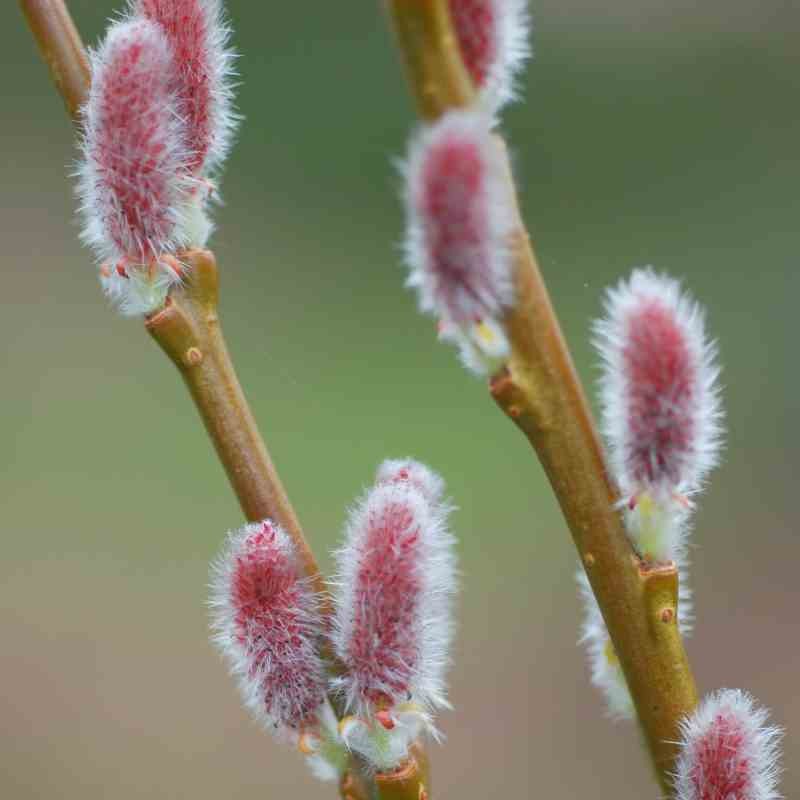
611	654
305	744
486	334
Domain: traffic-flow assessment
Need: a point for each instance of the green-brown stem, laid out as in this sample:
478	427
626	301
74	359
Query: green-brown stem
540	391
430	53
188	328
61	48
189	332
409	782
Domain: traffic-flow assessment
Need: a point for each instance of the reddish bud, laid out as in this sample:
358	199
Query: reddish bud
493	39
728	751
137	198
395	584
460	218
267	624
661	406
199	37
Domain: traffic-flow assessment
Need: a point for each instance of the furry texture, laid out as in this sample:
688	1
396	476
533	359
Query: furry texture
606	671
267	624
394	591
605	668
384	745
729	752
134	148
483	348
493	37
459	218
661	408
416	474
658	526
326	753
138	201
199	37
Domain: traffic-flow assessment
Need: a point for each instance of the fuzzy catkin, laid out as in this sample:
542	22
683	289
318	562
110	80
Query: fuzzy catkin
394	591
199	37
268	626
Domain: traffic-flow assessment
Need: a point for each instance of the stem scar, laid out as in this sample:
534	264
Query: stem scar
194	356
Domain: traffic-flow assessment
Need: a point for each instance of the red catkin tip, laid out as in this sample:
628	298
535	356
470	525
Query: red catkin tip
493	40
661	407
267	625
459	220
407	470
199	37
728	751
395	583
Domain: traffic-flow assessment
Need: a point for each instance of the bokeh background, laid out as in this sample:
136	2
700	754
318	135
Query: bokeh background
650	133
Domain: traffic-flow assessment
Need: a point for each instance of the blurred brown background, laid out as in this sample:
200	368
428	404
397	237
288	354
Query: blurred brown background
651	133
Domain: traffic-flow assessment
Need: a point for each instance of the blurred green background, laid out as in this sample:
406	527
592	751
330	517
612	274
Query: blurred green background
651	133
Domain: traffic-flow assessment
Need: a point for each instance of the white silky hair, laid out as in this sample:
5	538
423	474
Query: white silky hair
221	60
422	477
188	225
383	750
760	747
481	355
306	616
475	127
329	759
513	49
610	334
436	572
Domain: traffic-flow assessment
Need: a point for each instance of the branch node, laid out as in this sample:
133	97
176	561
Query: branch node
194	356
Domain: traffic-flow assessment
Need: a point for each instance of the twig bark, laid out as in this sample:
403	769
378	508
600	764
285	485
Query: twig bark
540	391
189	332
61	48
410	782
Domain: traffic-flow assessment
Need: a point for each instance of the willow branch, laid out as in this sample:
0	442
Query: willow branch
61	48
540	391
188	328
188	331
410	781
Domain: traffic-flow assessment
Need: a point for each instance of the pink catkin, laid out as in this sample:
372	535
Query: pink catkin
198	38
134	147
728	751
396	579
492	36
722	771
661	409
662	377
383	650
475	23
267	624
456	231
459	221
